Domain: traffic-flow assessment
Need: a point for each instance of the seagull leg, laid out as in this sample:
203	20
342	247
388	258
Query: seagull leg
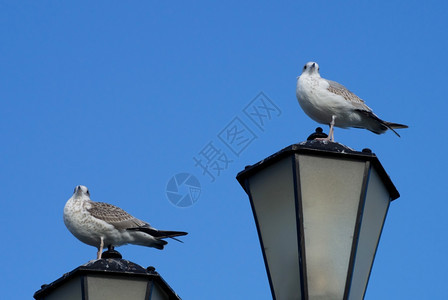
330	136
100	249
331	133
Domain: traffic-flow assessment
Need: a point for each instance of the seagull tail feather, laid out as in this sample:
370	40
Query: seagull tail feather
393	126
379	126
160	234
173	238
171	234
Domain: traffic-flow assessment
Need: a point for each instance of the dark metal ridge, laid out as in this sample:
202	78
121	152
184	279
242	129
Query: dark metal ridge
112	267
321	148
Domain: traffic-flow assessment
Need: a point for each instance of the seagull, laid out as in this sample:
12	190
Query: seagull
101	224
328	102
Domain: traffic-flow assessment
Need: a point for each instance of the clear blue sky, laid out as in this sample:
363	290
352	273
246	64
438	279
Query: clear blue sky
122	96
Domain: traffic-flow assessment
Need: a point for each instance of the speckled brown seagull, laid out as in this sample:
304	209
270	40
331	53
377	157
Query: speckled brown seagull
100	224
331	103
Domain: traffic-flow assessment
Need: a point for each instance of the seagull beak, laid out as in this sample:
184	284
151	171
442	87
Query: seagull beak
78	190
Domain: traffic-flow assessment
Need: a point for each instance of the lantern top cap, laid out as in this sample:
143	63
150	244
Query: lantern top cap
324	149
108	267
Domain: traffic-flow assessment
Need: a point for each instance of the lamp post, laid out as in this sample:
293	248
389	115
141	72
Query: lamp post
108	278
319	208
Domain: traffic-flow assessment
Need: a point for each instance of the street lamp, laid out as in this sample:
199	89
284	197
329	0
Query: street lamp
319	208
108	278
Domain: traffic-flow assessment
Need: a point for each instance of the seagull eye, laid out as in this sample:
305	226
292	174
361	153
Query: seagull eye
304	67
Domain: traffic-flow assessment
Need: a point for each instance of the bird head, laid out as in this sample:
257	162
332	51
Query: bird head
311	68
81	191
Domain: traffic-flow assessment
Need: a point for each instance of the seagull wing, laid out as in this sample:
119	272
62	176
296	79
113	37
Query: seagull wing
122	220
114	215
339	89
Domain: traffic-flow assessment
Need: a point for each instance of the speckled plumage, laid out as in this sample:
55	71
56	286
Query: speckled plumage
101	224
328	102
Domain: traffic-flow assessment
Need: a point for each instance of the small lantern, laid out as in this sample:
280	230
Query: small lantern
108	279
319	208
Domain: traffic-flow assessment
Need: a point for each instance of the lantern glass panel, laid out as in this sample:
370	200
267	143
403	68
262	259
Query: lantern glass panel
273	201
114	287
71	290
330	195
374	213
